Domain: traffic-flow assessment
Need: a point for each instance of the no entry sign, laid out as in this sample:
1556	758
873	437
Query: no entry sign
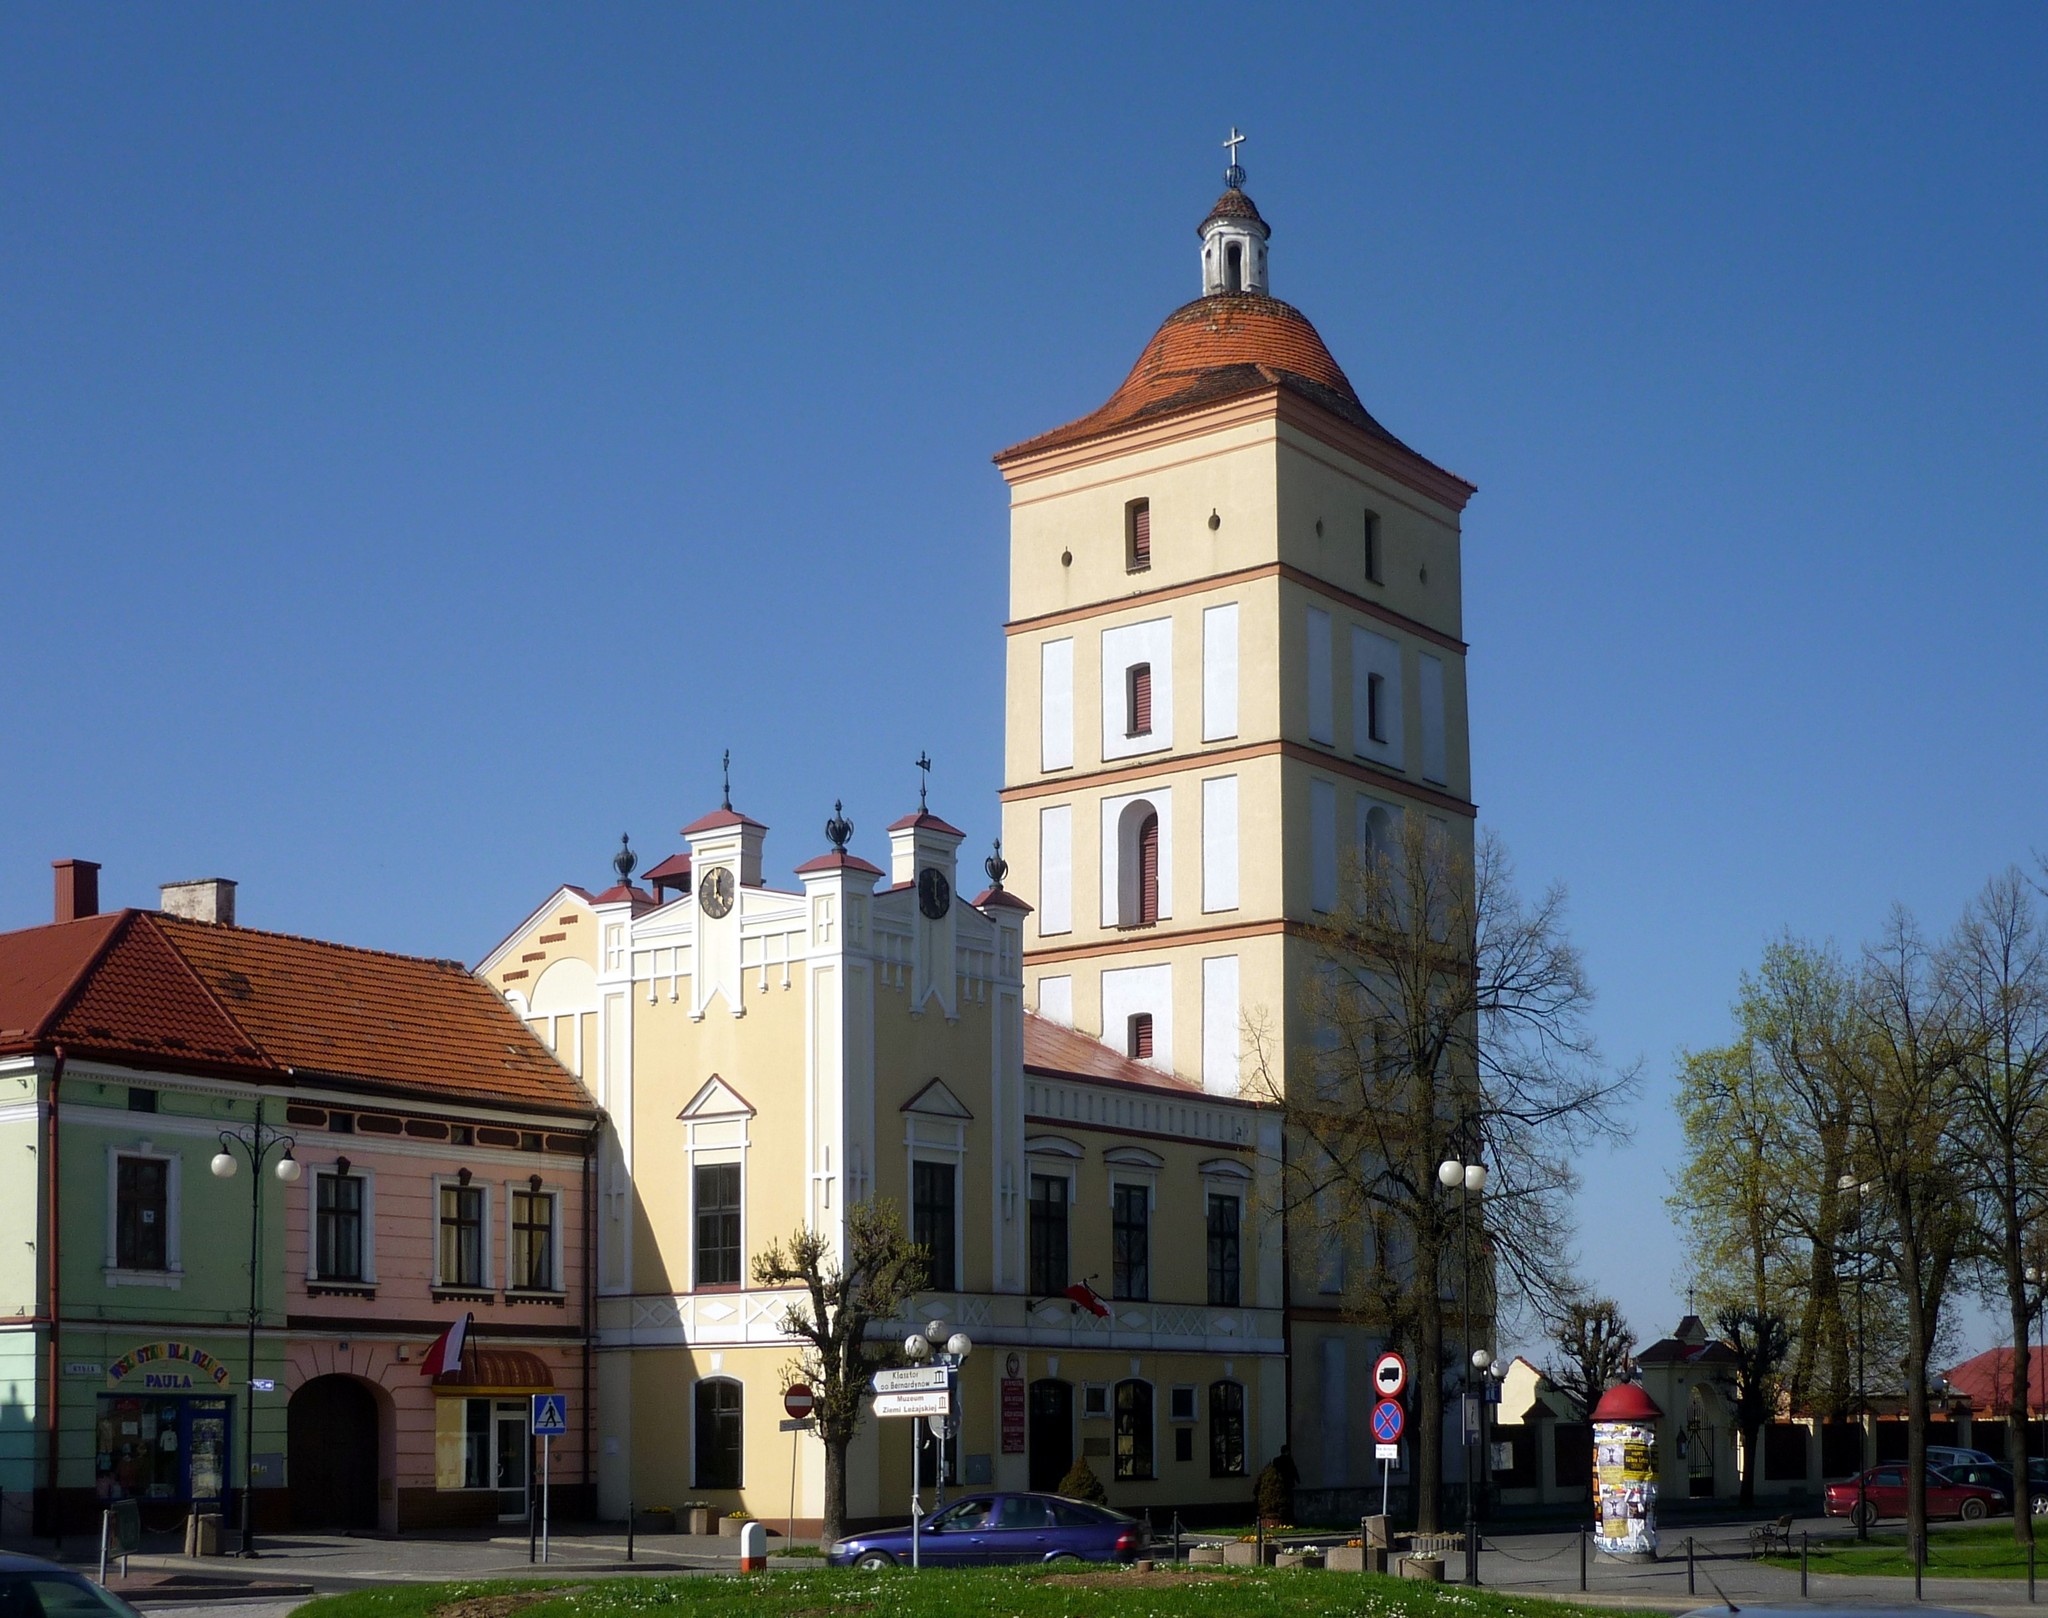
797	1401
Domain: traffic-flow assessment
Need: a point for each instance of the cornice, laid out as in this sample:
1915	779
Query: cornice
1063	785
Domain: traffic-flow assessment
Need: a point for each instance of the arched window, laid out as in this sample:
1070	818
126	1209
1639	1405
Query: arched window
1233	268
1138	865
1148	871
720	1441
1134	1429
1226	1429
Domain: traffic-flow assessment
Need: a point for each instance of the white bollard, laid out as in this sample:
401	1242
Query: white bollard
753	1548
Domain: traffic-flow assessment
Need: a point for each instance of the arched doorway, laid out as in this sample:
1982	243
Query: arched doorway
1050	1435
331	1438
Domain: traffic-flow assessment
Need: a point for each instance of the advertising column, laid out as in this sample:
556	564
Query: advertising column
1625	1472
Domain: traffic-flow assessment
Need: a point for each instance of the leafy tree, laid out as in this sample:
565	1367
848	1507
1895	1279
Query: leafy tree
1595	1348
1447	1017
1081	1483
1761	1341
843	1291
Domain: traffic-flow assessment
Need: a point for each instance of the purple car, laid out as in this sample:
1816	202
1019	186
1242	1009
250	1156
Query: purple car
986	1530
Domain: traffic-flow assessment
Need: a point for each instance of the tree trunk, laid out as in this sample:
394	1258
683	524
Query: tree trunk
1916	1408
1752	1456
835	1489
1427	1378
2020	1395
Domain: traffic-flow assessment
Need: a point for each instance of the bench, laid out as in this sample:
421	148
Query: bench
1766	1537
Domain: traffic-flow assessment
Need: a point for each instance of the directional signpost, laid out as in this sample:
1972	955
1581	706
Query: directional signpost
914	1404
912	1379
550	1421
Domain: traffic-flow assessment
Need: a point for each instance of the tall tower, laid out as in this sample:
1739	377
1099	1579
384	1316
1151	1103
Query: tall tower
1235	653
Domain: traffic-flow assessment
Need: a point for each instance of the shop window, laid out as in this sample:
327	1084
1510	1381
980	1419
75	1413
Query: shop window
933	1204
1048	1235
533	1240
161	1448
338	1226
1131	1234
1226	1429
1134	1430
142	1213
717	1191
720	1436
1226	1250
462	1237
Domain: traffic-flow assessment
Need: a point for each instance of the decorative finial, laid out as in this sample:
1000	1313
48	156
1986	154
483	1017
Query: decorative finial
997	867
726	767
624	861
924	763
838	830
1233	177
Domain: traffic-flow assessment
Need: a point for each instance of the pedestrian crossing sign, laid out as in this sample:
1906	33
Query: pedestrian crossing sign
550	1415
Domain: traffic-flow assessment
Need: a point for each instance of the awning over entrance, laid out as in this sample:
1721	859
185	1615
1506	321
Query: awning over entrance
497	1370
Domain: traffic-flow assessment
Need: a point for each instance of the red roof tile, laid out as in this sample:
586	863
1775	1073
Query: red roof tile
719	818
39	967
838	860
625	893
676	865
925	820
1234	204
1063	1052
1000	899
1986	1379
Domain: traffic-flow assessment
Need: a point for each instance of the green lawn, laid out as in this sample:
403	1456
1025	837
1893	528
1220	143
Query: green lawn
1979	1551
979	1593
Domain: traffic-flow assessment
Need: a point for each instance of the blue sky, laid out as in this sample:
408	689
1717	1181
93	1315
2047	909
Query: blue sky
428	436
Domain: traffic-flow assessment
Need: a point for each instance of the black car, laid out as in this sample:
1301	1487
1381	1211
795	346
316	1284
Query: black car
33	1588
1985	1476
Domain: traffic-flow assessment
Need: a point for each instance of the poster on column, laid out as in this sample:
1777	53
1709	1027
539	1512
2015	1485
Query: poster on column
1625	1483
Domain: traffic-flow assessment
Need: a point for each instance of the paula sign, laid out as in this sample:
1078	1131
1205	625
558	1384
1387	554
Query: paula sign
168	1367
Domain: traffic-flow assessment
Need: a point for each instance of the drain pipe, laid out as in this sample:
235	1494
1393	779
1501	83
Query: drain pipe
590	1322
52	1253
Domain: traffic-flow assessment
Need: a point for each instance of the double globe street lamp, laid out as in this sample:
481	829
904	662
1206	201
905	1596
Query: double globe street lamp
949	1351
253	1141
1455	1175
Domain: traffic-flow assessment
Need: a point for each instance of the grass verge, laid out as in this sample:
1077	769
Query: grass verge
963	1593
1978	1551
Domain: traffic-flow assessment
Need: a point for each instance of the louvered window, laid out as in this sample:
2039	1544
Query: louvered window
1375	707
1139	680
1372	547
1138	536
1148	871
1141	1036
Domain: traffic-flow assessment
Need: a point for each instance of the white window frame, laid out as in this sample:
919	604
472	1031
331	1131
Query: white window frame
488	1258
368	1175
173	1273
1095	1404
1174	1394
553	1192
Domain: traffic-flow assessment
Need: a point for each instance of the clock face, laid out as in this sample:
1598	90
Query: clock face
714	894
934	893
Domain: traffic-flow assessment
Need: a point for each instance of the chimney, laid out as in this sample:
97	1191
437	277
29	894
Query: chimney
211	898
78	889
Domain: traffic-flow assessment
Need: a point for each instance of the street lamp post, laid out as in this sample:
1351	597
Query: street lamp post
254	1141
2036	1276
1454	1175
949	1352
1849	1182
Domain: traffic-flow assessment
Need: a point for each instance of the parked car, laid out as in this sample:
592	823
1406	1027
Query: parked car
1883	1494
984	1529
1947	1455
1990	1476
33	1588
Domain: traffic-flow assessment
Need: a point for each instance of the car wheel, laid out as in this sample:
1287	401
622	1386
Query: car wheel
1062	1559
1865	1514
873	1560
1973	1511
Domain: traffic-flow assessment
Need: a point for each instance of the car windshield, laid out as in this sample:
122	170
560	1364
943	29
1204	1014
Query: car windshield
57	1595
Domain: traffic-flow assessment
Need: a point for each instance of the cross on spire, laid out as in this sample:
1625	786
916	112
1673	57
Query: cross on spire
924	763
1231	145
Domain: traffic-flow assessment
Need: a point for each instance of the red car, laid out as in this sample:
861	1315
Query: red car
1883	1494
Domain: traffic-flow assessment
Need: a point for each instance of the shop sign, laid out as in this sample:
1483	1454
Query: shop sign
84	1368
1013	1415
168	1367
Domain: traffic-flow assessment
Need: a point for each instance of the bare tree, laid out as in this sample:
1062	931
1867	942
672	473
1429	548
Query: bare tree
1998	964
1447	1017
1760	1341
1595	1350
840	1300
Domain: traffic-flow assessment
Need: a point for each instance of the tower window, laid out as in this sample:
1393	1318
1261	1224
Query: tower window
1376	707
1138	536
1141	1036
1148	874
1372	547
1233	267
1138	704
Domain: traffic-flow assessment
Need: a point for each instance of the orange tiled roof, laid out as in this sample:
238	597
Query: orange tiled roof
1063	1052
1216	348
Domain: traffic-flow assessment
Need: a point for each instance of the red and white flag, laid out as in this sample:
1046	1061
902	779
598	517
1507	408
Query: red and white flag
1084	1296
446	1354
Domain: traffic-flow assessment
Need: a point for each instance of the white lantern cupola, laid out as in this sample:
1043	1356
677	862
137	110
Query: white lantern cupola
1234	236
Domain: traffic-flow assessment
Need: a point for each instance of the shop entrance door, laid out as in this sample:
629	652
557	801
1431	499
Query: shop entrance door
1050	1435
513	1448
331	1435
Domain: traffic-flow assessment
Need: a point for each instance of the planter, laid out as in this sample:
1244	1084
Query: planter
1423	1567
1209	1554
730	1527
1354	1559
700	1521
654	1522
1245	1553
1299	1559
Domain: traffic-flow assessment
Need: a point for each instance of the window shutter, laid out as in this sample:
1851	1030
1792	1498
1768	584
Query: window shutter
1141	1036
1141	534
1148	876
1141	699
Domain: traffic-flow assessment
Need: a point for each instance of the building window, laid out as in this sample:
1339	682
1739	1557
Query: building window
1131	1238
1180	1402
1148	871
1226	1429
1138	699
1138	1040
720	1437
717	1189
1133	1430
140	1100
1138	536
1226	1254
462	1236
932	1204
1048	1234
338	1221
1372	547
1094	1400
1376	707
533	1241
142	1213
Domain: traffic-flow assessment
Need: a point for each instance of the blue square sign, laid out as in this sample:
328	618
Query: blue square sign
550	1415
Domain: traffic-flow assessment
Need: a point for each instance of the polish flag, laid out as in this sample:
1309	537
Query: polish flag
1083	1295
446	1354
